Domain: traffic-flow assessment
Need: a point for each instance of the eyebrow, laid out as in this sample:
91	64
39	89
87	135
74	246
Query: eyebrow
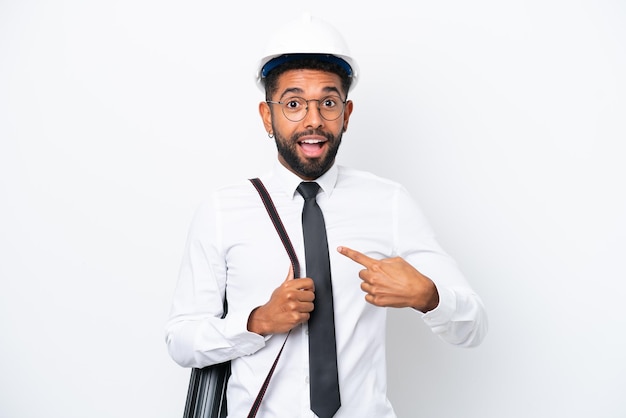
299	91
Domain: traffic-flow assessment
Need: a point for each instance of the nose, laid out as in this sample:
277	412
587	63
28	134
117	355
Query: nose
313	117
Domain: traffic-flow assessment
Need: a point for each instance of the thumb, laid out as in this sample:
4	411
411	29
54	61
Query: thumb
290	273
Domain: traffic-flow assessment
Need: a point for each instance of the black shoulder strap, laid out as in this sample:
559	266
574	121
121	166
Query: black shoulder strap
280	228
271	210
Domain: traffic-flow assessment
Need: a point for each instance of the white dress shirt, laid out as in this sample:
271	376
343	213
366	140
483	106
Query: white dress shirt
233	249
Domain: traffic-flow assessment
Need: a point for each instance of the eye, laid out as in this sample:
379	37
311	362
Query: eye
294	103
329	102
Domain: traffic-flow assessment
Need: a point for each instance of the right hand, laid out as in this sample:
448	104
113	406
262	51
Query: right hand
290	304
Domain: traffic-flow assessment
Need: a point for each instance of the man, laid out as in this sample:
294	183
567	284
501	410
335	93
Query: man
382	254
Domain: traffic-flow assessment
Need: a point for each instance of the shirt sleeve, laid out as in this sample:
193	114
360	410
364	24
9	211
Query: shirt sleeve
460	318
196	333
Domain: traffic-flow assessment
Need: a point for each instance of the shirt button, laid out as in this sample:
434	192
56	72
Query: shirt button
306	380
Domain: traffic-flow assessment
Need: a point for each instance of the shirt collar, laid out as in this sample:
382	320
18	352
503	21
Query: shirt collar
289	181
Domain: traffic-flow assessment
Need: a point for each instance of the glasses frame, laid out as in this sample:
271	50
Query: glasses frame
306	109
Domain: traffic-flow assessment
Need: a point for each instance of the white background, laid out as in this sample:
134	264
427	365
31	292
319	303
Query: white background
504	119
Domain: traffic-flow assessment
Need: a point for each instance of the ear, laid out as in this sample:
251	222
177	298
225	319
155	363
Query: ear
266	116
346	114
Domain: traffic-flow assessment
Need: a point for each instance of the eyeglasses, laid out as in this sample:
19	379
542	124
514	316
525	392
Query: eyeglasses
296	108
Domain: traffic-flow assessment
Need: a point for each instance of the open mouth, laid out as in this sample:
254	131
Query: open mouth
312	148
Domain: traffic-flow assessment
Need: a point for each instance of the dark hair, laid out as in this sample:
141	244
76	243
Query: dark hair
271	80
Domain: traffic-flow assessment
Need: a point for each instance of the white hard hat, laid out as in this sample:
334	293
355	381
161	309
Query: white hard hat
307	35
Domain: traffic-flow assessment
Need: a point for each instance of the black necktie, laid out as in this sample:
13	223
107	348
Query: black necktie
324	379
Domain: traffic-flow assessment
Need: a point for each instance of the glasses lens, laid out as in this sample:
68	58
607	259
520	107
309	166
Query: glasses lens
294	108
331	107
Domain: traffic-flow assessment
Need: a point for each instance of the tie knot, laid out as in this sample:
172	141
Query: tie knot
308	190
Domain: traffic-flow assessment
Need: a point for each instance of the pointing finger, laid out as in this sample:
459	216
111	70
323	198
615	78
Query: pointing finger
356	256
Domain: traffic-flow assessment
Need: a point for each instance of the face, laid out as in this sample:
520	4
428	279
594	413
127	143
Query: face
307	147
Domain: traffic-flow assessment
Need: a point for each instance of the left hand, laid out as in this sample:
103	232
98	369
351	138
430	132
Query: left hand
392	282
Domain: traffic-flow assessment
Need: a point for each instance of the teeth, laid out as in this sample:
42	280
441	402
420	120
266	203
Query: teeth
311	141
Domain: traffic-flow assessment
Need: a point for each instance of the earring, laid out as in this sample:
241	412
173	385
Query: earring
270	135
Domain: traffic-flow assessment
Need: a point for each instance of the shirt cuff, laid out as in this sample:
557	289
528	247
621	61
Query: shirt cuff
439	317
244	341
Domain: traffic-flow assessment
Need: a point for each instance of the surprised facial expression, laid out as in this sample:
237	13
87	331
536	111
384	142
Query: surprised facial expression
307	147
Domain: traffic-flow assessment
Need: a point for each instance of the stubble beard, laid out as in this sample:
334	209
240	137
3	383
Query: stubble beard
308	168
